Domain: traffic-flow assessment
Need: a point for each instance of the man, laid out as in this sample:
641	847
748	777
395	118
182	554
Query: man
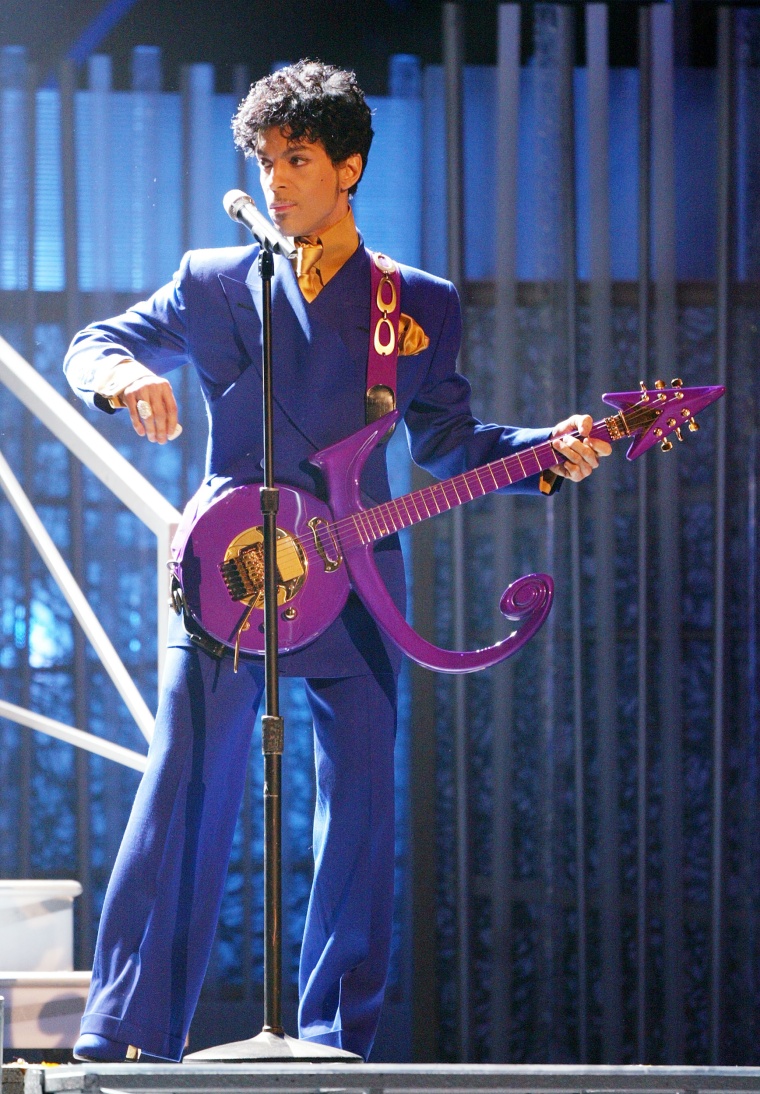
310	129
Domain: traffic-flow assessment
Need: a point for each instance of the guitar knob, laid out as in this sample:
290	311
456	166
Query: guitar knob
666	445
659	384
693	425
676	383
678	434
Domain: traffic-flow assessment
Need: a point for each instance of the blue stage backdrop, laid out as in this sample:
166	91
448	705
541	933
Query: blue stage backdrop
593	807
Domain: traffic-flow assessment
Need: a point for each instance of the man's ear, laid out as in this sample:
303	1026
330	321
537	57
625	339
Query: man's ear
350	171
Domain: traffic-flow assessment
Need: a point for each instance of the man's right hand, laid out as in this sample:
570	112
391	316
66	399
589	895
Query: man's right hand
156	415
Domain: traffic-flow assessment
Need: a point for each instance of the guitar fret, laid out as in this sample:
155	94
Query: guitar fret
357	527
413	499
395	519
368	529
371	519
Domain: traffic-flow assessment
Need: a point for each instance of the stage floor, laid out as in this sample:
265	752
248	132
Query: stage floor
375	1078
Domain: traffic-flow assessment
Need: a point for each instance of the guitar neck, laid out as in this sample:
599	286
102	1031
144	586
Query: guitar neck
391	516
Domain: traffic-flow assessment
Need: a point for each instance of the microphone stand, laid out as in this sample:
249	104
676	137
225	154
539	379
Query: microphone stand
272	1044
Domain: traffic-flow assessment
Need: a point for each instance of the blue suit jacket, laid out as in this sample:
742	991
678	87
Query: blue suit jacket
210	316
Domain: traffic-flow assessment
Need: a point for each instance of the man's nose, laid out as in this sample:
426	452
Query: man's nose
278	176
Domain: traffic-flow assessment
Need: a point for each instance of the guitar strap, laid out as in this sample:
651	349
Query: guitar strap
382	359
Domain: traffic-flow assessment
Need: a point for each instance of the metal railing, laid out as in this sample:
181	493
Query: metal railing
138	495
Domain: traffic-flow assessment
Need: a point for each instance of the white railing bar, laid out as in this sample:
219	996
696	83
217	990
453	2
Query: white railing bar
78	737
84	441
76	599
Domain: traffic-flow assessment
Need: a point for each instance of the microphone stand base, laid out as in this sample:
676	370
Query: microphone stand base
268	1046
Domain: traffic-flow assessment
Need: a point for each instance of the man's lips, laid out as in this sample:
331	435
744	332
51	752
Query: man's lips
281	207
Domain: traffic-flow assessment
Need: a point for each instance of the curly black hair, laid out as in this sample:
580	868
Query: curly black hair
308	100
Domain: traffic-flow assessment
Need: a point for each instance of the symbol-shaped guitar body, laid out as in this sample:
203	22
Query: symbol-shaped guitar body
325	550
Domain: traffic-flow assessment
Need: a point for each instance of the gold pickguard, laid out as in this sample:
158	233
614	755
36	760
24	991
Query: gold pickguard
243	567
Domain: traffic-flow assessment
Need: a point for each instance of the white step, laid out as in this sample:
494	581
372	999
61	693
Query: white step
43	1009
36	924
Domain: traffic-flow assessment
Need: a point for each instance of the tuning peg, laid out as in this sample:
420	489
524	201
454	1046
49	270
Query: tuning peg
693	425
659	384
676	383
666	445
678	434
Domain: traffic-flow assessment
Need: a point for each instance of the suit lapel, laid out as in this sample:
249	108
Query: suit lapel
317	384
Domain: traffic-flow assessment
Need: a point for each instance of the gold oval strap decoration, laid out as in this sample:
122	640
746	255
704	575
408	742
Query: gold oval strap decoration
386	305
385	350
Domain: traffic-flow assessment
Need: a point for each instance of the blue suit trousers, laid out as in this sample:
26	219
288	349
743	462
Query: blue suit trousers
163	900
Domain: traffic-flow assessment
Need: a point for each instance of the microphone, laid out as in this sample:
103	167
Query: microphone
241	207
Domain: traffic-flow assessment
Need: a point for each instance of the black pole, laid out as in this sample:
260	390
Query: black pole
273	726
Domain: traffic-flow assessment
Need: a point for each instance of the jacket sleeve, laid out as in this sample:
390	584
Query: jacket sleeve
444	436
152	332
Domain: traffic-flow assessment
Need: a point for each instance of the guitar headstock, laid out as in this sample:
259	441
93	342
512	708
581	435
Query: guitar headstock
650	416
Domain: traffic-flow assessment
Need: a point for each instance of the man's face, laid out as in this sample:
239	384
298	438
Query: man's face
305	192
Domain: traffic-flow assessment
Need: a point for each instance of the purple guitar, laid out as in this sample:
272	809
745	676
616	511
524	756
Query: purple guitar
324	550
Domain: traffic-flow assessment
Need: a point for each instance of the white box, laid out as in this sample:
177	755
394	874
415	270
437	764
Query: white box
36	925
43	1009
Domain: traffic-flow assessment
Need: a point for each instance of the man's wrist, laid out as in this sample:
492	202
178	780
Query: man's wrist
110	380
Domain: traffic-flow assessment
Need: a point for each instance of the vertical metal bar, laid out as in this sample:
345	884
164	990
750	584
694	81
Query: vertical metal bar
241	81
502	532
549	37
725	152
76	510
644	241
423	805
99	83
604	542
745	652
453	66
27	456
566	76
669	585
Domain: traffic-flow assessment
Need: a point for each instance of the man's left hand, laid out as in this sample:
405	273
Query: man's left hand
581	453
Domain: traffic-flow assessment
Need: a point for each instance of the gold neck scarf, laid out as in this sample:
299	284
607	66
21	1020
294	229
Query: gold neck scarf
319	258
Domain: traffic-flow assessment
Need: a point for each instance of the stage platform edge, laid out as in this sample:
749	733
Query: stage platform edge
375	1079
